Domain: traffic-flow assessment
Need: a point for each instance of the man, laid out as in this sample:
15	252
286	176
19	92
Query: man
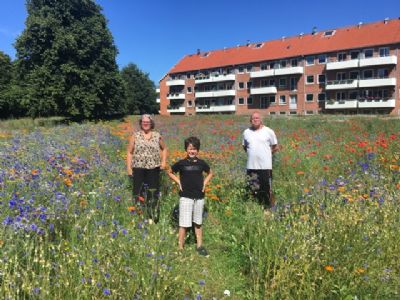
260	142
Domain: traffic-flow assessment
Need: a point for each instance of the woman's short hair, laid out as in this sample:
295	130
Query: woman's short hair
150	117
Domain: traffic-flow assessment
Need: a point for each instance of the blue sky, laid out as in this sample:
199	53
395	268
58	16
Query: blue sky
155	35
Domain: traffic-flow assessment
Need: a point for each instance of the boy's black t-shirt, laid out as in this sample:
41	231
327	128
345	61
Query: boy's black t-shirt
191	176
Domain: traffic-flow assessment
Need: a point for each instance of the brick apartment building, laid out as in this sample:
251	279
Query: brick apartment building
350	70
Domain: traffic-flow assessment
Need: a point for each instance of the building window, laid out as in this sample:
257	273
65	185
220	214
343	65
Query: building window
354	75
249	101
272	82
309	60
272	113
310	97
190	103
271	65
240	69
189	89
283	63
309	112
241	101
341	76
264	67
263	83
271	99
353	95
263	102
341	96
293	99
383	73
321	97
282	82
368	74
384	52
368	53
329	33
293	113
249	68
322	78
249	84
322	59
293	84
341	56
354	54
310	79
241	85
282	99
282	113
293	62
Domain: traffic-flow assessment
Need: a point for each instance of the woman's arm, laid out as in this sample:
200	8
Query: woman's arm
164	154
129	152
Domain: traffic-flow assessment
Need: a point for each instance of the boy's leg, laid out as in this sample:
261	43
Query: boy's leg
198	209
181	237
198	229
185	218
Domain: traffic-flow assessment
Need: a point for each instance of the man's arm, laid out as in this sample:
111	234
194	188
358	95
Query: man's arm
274	148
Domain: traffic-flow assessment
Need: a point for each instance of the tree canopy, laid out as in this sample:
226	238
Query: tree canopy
66	61
140	91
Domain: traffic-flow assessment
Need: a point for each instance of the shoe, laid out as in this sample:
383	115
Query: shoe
202	251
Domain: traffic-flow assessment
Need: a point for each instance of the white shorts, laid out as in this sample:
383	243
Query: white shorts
190	211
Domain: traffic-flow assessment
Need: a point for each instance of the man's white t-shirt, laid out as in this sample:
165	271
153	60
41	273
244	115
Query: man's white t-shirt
258	143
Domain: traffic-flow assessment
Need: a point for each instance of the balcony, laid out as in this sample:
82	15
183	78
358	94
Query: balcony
172	82
263	90
210	94
377	61
176	109
158	100
341	104
264	73
341	84
289	71
376	103
376	82
215	78
346	64
215	108
176	96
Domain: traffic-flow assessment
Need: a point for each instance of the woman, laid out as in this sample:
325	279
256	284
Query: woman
147	154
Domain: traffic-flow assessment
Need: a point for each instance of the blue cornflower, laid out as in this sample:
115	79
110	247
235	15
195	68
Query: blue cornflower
106	292
202	282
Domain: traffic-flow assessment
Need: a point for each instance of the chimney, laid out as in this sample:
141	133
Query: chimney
386	20
301	34
283	38
198	51
359	24
247	43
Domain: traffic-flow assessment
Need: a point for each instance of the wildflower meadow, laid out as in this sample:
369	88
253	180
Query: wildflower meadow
70	230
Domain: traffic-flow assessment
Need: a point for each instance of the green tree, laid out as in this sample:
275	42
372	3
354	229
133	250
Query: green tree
66	61
6	77
140	93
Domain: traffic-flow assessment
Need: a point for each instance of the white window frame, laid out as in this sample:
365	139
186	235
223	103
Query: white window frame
244	85
313	58
313	79
341	54
325	60
319	82
306	96
189	103
386	49
282	85
355	51
280	100
369	49
295	84
242	101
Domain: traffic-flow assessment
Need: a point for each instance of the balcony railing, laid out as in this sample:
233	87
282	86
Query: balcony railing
216	108
176	109
375	82
277	72
220	93
214	78
341	84
263	90
362	62
172	82
370	102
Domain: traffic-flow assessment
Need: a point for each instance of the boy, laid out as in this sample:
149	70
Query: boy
191	184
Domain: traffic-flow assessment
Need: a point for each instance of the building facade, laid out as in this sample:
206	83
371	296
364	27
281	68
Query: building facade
351	70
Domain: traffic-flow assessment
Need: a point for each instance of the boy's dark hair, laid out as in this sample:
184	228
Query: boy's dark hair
194	141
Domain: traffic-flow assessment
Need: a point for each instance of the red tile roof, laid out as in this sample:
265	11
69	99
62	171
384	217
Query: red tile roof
365	35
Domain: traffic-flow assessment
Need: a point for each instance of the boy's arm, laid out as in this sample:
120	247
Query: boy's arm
207	179
174	178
